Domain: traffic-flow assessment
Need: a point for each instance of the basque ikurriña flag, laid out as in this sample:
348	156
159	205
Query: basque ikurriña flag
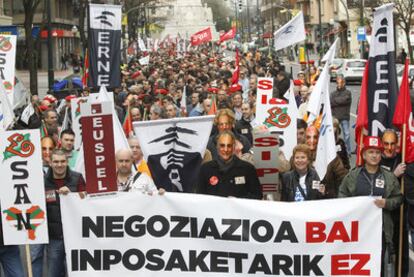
174	149
382	86
104	46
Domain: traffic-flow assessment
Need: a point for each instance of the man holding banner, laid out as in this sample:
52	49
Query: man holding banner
382	185
59	180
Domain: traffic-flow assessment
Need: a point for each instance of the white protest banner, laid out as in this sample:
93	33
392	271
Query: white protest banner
99	153
181	234
279	116
174	149
266	152
22	193
7	64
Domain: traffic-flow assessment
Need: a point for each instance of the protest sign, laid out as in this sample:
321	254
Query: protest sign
8	46
279	116
104	45
177	234
99	153
22	193
171	152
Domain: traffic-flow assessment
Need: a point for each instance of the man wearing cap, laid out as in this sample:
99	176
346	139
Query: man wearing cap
372	180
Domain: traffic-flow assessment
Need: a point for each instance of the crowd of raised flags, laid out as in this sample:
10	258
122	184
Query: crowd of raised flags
197	79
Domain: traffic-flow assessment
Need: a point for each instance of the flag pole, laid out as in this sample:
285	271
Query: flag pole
29	261
360	144
400	243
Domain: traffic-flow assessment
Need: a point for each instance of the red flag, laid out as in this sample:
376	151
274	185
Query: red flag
403	115
85	70
229	35
362	116
236	73
213	108
127	125
201	37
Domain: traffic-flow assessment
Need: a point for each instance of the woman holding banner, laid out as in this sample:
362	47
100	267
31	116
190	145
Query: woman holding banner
302	183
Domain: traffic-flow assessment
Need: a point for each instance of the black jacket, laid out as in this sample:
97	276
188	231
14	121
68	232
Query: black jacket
281	87
245	128
240	180
341	100
54	220
290	181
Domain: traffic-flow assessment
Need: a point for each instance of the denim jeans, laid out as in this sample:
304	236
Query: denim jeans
346	135
56	264
10	261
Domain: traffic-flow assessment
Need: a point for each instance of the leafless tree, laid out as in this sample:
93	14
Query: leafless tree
403	14
30	7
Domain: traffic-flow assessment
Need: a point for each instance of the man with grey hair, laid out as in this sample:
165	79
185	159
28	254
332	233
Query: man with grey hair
341	100
129	181
155	112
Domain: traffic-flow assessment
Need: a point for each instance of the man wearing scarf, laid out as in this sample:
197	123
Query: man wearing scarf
227	175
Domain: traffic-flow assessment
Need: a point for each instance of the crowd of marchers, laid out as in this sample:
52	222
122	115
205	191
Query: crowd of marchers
207	79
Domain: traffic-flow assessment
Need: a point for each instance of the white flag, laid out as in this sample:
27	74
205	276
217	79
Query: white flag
120	139
20	95
155	45
291	130
65	123
315	100
330	55
6	110
183	102
61	106
27	113
141	45
322	85
290	33
144	60
326	150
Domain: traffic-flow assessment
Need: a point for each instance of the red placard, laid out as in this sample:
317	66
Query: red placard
201	37
98	147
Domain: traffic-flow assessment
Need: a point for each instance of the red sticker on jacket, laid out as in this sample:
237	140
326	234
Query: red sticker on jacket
213	180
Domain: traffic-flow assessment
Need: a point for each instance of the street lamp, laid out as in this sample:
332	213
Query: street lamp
50	73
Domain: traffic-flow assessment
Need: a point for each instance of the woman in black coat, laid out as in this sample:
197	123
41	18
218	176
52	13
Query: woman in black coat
302	182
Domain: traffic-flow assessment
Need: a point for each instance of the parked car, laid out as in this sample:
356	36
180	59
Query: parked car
334	67
352	69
